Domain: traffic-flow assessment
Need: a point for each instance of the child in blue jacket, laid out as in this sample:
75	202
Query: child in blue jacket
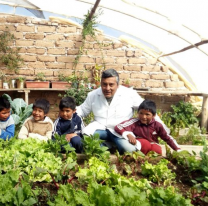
69	123
7	126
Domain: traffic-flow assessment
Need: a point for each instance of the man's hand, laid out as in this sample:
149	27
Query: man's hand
132	139
69	136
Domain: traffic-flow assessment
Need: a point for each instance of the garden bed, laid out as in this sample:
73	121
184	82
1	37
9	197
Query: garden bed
36	173
182	184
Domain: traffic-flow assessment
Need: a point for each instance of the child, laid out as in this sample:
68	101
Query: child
145	130
69	123
38	126
6	121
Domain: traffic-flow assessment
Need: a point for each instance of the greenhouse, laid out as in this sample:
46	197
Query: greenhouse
105	57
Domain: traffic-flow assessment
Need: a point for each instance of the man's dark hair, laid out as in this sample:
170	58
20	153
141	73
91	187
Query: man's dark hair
67	102
4	103
110	73
42	104
148	105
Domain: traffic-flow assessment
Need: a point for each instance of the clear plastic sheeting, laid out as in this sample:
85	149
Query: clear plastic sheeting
163	25
23	3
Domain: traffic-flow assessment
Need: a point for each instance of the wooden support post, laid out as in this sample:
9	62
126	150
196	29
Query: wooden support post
204	121
26	95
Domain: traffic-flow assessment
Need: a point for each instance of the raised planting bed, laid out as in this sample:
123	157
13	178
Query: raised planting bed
37	172
197	149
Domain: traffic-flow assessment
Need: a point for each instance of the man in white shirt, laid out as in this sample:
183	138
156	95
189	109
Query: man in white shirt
111	104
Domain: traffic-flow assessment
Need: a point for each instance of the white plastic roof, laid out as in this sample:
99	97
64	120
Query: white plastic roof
165	26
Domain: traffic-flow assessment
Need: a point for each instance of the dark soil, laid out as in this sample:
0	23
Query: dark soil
182	183
48	191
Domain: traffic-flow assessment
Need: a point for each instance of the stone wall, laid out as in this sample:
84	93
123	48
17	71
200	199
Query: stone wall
51	48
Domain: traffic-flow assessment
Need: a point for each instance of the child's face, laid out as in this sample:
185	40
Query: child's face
38	114
66	113
145	116
4	114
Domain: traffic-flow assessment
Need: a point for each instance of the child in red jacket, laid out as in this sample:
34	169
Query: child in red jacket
145	130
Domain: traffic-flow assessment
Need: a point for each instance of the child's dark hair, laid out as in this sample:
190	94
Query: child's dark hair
67	102
148	105
42	104
4	103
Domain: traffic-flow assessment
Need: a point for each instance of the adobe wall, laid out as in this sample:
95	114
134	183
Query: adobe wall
51	48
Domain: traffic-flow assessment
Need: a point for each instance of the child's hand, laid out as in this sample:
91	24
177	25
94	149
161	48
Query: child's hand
132	139
69	136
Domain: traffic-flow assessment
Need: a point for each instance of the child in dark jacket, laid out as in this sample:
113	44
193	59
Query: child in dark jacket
143	132
69	123
7	126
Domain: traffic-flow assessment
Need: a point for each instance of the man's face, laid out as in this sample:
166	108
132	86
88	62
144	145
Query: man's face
38	114
4	114
109	86
66	113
